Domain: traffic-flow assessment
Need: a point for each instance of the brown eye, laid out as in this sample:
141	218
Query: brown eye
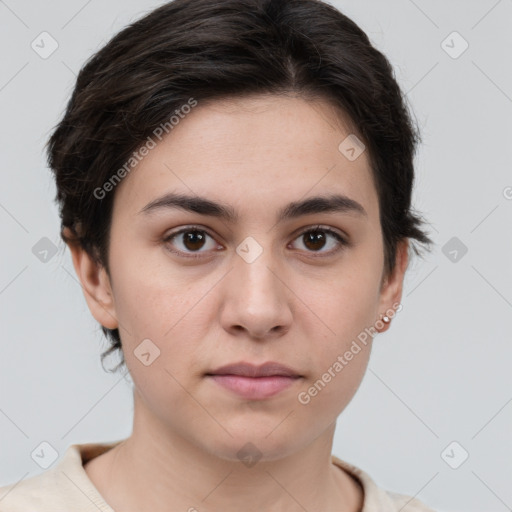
193	240
314	240
188	241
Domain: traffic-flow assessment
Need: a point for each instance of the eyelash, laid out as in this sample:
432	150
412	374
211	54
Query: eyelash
342	241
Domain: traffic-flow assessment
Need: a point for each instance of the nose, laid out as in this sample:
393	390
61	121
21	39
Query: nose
256	300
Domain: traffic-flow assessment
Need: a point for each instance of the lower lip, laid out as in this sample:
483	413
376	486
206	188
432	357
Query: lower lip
254	388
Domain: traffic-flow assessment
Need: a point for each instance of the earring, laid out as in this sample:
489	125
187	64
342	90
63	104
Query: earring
386	319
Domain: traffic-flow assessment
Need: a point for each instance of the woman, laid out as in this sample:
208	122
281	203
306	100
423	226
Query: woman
234	181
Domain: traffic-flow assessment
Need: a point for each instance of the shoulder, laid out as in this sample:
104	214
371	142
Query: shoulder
63	487
377	499
405	503
35	493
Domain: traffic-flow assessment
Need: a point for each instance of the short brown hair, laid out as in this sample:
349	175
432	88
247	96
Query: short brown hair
213	49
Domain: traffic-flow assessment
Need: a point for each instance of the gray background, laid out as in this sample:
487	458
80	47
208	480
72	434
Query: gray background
441	374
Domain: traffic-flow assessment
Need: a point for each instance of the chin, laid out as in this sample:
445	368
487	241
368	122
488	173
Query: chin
255	441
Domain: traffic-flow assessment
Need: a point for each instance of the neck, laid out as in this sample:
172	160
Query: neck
157	469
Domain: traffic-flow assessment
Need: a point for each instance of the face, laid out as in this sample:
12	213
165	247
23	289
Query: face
273	281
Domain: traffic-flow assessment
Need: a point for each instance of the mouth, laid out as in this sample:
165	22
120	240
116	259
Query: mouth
255	382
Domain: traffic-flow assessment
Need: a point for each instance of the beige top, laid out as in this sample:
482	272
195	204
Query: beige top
67	488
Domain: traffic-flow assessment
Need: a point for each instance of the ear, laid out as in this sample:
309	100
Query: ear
392	285
95	285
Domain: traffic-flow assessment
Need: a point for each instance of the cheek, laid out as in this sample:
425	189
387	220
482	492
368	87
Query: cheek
167	308
343	303
343	311
332	388
164	392
339	357
149	297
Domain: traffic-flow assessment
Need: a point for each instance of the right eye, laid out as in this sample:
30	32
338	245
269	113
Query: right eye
189	241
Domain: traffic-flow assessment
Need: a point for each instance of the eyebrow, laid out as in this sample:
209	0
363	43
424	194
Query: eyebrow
336	203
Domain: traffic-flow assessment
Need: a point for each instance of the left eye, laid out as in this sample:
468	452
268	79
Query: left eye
192	240
317	238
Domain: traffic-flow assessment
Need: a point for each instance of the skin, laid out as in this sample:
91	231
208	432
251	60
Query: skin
255	154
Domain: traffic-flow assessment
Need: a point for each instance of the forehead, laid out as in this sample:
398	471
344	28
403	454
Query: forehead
254	153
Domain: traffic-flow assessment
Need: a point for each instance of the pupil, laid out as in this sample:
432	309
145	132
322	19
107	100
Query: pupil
314	237
194	240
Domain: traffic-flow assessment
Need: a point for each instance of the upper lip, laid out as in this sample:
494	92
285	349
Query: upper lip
250	370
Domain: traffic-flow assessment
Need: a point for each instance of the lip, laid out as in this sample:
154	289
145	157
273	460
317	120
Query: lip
255	382
268	369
